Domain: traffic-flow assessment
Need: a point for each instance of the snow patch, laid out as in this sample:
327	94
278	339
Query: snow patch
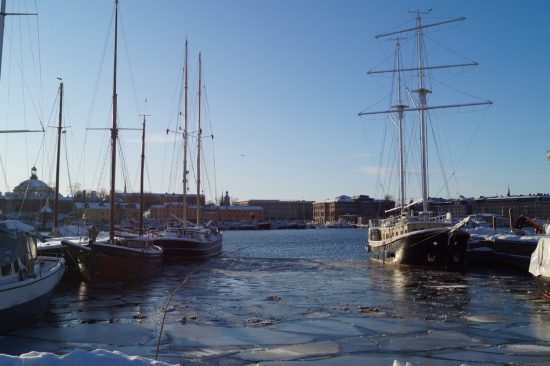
78	357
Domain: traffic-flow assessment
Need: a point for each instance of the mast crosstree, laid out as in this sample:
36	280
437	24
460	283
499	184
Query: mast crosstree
421	101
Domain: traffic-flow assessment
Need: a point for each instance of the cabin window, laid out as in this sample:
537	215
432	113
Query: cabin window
6	270
16	266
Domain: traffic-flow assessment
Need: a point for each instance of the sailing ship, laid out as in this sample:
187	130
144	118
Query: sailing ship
51	243
27	280
407	237
182	240
114	258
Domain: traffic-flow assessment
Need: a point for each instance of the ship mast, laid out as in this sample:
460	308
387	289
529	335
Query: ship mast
59	131
422	97
114	133
185	138
2	20
199	133
141	177
422	105
400	107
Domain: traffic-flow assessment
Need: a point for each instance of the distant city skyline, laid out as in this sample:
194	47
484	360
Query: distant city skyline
284	81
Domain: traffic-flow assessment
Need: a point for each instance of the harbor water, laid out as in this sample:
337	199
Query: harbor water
300	297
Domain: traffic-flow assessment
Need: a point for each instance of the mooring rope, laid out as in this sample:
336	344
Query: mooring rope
180	286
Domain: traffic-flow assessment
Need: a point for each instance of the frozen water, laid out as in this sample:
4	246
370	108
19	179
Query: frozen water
320	327
291	352
195	335
308	297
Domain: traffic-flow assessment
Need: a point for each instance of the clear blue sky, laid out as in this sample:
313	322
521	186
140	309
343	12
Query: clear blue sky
284	79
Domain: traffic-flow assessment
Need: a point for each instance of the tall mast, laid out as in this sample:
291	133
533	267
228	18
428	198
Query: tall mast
399	108
114	133
185	138
59	131
422	93
199	133
2	18
141	177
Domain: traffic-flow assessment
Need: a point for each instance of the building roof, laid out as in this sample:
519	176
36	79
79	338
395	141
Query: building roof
103	205
32	186
340	199
240	208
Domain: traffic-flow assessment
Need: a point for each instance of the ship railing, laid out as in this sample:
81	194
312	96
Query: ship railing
402	220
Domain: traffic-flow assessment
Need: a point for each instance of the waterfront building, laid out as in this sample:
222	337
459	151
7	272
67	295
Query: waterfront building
32	201
240	213
356	210
275	210
460	207
164	213
535	206
150	199
99	212
170	211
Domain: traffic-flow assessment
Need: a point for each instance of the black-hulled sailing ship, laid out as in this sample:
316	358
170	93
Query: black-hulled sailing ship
181	239
115	258
415	237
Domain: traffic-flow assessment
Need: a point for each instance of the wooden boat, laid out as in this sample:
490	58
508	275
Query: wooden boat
190	242
120	260
115	258
181	240
415	236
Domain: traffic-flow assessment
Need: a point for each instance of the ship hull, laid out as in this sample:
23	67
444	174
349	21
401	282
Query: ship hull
501	252
183	248
104	262
432	248
24	301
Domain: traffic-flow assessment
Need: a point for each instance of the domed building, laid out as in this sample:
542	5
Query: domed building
33	188
32	201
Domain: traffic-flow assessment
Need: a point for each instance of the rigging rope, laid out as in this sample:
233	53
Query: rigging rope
81	164
209	115
41	100
124	166
71	188
128	60
179	287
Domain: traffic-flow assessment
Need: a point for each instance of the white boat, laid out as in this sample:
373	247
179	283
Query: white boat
414	236
340	224
540	265
26	280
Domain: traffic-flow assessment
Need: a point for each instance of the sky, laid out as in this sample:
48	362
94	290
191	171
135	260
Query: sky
284	81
